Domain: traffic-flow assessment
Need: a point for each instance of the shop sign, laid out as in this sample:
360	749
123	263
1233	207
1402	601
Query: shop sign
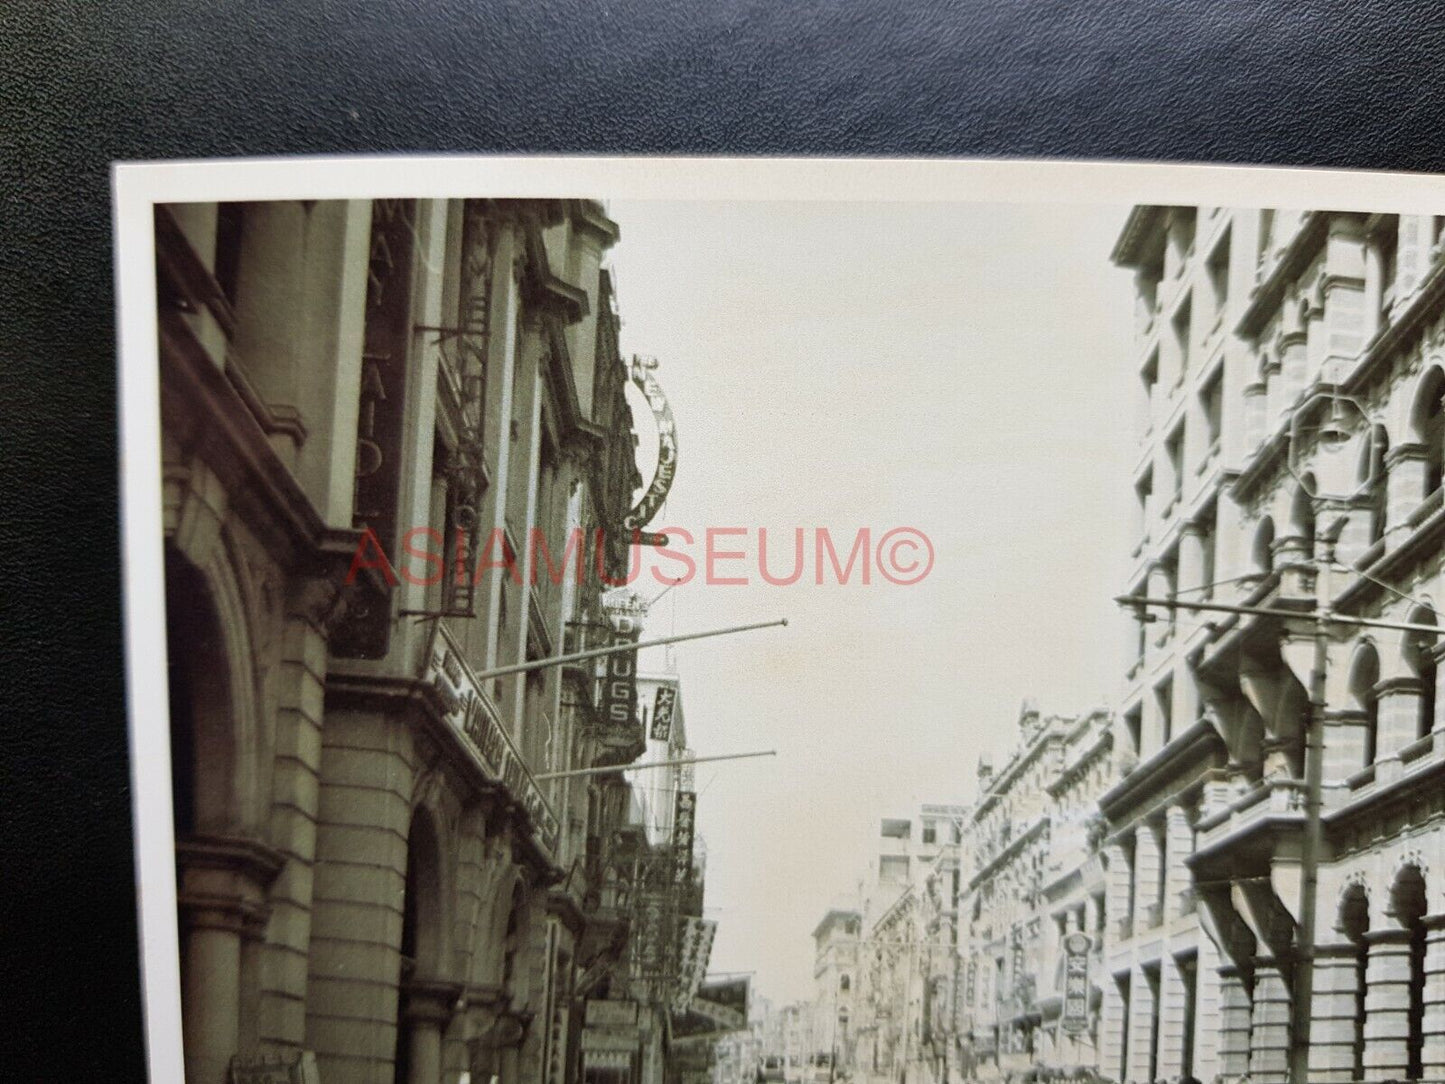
663	705
1075	1014
365	631
472	716
683	816
625	610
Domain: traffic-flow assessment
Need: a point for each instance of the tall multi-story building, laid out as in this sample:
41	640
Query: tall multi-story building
835	973
1032	904
379	419
1276	860
901	1024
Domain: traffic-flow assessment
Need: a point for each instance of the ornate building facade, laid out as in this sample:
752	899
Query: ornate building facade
379	419
1276	884
1032	904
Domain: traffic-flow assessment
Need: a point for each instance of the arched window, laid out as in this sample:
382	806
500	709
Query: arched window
1427	421
1364	676
1302	518
1371	479
1420	658
1262	552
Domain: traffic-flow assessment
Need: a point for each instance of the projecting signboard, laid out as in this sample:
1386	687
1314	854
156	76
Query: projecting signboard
1075	1013
663	706
473	718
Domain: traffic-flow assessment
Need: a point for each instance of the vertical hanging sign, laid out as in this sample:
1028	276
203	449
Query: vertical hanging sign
1074	1016
380	417
683	815
663	705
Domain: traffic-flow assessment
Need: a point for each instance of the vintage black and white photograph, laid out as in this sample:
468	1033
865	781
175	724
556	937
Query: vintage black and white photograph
627	621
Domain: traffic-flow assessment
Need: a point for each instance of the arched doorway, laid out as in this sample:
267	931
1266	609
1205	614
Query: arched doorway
418	1056
1354	924
1408	905
222	870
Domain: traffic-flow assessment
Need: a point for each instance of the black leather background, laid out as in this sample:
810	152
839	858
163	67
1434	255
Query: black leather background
1342	83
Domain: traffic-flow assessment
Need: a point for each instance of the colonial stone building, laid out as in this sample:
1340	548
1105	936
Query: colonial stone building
1290	368
1033	887
379	419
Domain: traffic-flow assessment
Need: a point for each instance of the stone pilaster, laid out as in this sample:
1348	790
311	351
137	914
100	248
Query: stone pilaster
1399	721
1208	1012
1179	845
1345	745
1142	1010
1269	1043
1111	1030
1432	1054
1118	892
361	847
1148	858
1172	1004
1387	1003
1332	1014
1236	1016
283	961
1404	487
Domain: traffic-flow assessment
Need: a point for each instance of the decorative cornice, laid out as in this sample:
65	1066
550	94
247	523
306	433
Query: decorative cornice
1192	752
1142	220
1306	243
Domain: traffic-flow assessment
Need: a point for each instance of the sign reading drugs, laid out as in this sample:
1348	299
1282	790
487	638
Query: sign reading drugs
1075	1014
663	705
625	610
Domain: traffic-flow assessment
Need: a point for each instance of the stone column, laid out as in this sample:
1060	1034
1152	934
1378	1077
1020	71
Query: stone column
1255	401
1235	1019
1404	488
427	1011
1332	1014
1374	289
1141	1027
1293	373
1387	1003
1432	1054
222	902
1269	1043
211	995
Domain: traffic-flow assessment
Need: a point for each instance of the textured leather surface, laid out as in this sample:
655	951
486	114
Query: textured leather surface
1345	83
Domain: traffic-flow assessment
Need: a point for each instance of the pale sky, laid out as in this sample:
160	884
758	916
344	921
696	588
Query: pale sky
960	369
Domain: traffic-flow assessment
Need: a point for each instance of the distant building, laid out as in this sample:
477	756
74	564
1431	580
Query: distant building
835	974
901	1020
1034	880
